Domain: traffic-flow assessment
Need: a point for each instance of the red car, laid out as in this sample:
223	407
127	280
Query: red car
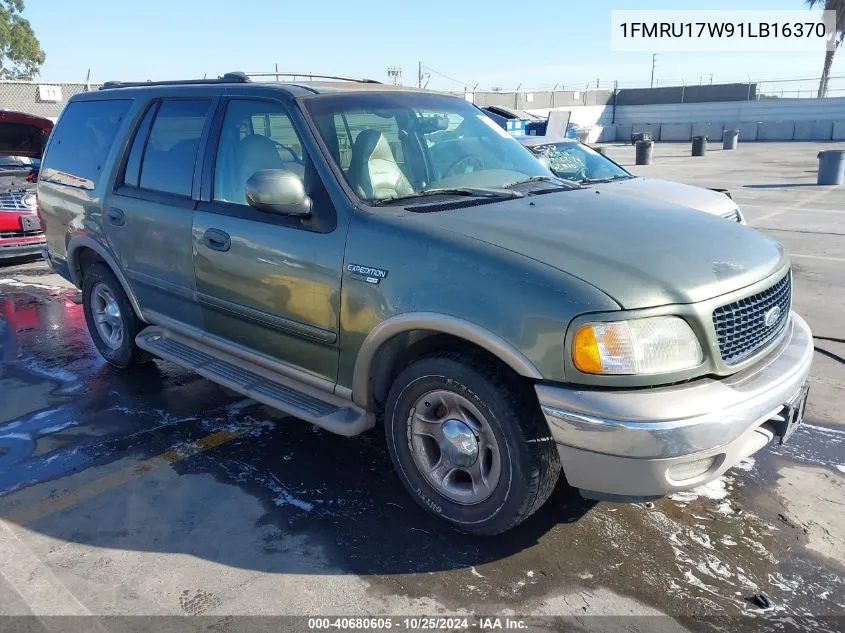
22	141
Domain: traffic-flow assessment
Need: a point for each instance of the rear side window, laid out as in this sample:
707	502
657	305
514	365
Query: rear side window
133	163
82	141
171	149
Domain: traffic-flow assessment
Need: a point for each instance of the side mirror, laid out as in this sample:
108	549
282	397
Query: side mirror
278	191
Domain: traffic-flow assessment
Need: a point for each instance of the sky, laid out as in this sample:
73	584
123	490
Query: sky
461	43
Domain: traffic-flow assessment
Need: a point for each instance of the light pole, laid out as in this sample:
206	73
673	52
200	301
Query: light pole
394	73
653	64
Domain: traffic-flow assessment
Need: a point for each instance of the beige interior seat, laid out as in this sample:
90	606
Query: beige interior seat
373	171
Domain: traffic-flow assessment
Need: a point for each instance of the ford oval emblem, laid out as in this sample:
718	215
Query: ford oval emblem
772	316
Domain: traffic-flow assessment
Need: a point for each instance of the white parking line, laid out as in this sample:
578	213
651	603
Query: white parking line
793	207
752	205
826	258
35	583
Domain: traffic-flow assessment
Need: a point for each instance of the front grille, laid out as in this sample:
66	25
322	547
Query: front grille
12	234
741	326
733	216
13	199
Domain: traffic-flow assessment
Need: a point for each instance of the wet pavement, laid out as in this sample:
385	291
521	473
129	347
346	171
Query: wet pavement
153	491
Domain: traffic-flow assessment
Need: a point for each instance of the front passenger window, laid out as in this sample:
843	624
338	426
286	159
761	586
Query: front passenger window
255	135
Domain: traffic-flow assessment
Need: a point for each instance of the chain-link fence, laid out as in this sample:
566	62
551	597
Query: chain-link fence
39	98
47	99
706	93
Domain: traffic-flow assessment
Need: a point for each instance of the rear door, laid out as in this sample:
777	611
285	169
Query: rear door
149	215
267	283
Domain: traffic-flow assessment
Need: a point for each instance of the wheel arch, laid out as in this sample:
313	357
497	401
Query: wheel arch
82	250
391	338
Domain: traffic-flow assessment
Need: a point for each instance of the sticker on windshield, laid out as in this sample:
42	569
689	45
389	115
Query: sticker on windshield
493	125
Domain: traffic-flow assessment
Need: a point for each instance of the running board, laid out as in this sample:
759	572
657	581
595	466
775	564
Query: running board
267	387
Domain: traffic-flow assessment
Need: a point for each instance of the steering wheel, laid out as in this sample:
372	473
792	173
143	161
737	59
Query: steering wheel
293	154
471	160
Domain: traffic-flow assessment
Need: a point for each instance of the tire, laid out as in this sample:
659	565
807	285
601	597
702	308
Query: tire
99	281
527	457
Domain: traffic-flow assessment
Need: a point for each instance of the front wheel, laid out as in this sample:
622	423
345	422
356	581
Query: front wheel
468	443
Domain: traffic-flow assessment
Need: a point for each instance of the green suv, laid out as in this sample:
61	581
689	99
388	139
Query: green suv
356	254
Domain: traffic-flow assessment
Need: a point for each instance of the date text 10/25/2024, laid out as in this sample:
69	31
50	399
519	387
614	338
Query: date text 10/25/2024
418	623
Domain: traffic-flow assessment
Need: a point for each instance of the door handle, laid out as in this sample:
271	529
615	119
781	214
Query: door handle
217	240
116	216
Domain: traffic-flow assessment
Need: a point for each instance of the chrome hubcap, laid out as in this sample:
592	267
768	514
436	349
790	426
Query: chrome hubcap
459	444
454	447
106	313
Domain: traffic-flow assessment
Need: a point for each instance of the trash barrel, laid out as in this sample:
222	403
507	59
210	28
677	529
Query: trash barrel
582	135
729	139
699	145
644	151
831	167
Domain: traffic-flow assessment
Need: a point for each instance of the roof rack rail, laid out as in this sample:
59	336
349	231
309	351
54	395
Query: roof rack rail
228	78
277	74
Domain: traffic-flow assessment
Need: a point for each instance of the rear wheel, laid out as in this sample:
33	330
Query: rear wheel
112	322
469	445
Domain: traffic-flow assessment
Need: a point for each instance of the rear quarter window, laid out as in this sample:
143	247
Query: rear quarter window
81	142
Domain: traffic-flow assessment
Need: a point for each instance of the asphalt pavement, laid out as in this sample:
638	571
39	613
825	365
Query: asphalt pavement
155	492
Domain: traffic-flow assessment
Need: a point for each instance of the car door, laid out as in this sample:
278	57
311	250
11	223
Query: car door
148	217
267	283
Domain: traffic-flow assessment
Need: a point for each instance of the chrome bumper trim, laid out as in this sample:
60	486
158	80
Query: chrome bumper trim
682	419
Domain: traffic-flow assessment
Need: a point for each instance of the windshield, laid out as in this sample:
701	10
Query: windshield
395	145
579	163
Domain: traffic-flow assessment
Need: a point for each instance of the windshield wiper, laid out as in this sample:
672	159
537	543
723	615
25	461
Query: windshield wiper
592	181
552	179
469	192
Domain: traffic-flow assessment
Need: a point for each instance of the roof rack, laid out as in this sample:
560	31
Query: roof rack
277	74
228	78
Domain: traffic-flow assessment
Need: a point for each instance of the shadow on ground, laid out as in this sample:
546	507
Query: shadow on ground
97	424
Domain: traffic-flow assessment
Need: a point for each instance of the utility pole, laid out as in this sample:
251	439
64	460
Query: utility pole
653	64
711	79
419	75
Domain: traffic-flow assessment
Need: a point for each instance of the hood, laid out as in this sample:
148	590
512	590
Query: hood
640	254
23	134
672	192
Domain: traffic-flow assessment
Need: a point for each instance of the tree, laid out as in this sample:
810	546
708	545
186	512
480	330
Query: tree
839	7
20	52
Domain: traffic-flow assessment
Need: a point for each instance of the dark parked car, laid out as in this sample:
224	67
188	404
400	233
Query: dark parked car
22	141
357	254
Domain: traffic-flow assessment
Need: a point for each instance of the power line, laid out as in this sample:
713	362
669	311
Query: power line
437	72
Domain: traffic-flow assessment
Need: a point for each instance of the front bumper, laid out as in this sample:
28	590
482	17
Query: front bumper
640	443
9	250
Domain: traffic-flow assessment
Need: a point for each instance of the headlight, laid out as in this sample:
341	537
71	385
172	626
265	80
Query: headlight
654	345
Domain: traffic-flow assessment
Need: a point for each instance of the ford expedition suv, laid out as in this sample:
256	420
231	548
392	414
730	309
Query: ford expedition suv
357	254
22	140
